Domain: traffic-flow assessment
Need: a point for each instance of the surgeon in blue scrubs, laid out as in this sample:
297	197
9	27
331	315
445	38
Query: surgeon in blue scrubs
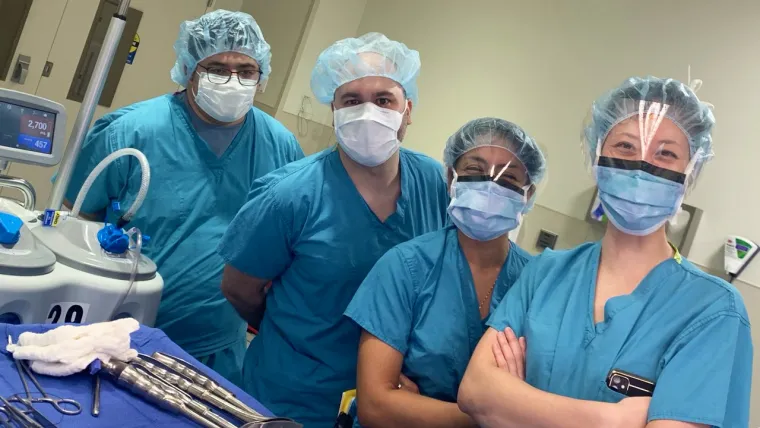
316	227
423	306
205	146
630	303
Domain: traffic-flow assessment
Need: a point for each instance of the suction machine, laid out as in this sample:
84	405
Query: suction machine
54	266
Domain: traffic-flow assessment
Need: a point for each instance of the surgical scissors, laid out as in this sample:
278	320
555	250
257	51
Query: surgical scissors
34	414
56	403
17	416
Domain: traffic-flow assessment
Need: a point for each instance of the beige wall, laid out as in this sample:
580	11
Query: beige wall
282	23
331	20
571	231
541	64
312	136
326	22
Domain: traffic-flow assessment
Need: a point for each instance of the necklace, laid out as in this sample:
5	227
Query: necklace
487	296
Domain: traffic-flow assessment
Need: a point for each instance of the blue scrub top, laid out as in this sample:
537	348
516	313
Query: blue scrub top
308	229
420	300
683	329
193	197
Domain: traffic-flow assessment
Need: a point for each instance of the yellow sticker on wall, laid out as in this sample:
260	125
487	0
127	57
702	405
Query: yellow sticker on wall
133	49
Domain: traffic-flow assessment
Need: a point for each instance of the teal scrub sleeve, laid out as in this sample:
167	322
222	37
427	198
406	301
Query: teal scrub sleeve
512	311
112	181
707	375
296	152
257	242
383	304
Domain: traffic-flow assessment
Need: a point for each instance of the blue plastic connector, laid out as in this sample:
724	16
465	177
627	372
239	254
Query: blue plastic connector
10	228
113	239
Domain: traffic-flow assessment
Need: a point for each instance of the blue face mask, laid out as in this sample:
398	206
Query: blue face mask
638	197
485	210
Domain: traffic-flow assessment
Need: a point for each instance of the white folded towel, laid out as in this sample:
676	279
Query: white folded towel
70	349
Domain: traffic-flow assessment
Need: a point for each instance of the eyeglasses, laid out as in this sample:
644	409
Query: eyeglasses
220	76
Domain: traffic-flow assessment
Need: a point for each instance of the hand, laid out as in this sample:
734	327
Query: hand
630	412
407	385
509	352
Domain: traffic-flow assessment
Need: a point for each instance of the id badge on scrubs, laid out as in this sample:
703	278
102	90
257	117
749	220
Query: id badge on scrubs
629	385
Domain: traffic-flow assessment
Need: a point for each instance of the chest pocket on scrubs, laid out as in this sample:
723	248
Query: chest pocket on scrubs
166	203
607	395
645	368
541	338
194	189
439	353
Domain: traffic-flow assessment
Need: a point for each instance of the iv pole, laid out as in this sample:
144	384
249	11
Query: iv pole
87	109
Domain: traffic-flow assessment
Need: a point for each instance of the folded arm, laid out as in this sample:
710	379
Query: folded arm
509	353
381	403
495	398
246	294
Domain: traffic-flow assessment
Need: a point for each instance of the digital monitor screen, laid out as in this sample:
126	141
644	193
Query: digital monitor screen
26	128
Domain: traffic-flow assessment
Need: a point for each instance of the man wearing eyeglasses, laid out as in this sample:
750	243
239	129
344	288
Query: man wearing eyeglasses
205	146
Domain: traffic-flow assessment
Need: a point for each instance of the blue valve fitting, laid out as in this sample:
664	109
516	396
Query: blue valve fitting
10	228
113	239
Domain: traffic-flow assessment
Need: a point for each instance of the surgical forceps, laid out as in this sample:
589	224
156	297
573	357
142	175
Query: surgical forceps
25	418
57	403
29	417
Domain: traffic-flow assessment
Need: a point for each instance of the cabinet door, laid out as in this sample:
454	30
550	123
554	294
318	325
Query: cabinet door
32	27
146	77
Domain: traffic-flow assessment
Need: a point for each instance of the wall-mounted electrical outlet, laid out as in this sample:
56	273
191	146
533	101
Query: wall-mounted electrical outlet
546	239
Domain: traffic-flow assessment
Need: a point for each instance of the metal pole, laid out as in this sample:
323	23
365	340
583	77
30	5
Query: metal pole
87	109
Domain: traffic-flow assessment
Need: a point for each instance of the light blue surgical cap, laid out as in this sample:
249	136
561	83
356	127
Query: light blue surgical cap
694	117
372	54
489	131
216	32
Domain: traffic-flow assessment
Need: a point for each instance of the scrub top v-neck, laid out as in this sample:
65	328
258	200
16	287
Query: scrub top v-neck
308	229
193	197
681	328
217	138
420	299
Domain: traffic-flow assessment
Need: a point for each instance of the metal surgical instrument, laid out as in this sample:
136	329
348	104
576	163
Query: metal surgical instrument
96	396
139	383
183	383
195	375
162	385
35	414
16	416
57	403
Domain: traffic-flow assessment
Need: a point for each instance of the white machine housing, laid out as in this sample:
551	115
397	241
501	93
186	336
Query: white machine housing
60	274
64	292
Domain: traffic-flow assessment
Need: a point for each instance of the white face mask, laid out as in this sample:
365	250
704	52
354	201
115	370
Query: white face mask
226	102
368	133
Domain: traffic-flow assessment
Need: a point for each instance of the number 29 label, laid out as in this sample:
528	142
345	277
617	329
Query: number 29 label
68	312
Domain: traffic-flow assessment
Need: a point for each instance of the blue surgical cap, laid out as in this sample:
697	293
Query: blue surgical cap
489	131
216	32
372	54
694	117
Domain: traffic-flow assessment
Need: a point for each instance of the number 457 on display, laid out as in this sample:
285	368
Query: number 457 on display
68	312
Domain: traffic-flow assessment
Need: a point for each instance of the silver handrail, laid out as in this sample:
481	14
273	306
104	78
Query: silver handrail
23	186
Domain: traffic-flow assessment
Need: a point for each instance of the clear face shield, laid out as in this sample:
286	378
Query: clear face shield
643	167
490	192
